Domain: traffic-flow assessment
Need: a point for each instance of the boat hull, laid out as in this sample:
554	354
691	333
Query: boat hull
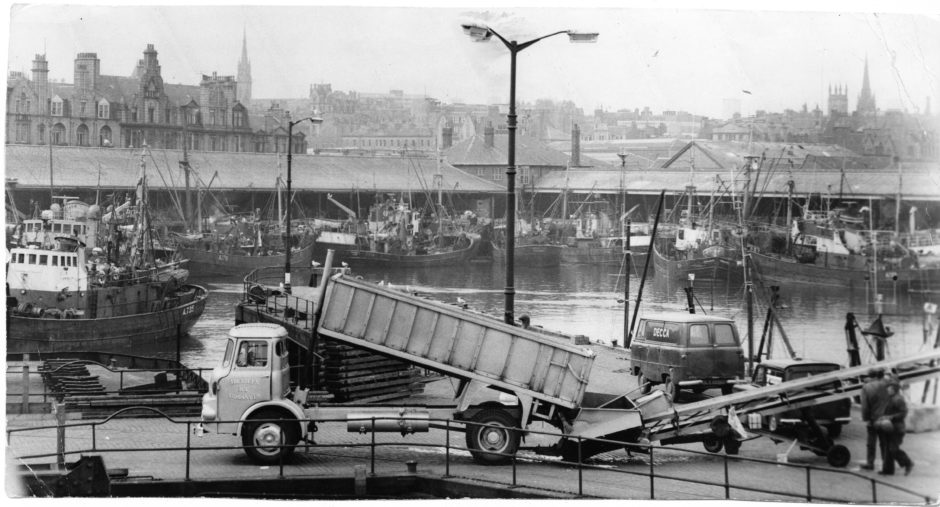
369	258
204	262
535	256
834	272
41	335
599	255
704	268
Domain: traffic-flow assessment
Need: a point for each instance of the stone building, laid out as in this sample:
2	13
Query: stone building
104	111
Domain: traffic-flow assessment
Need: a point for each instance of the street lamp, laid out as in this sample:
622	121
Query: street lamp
482	33
287	236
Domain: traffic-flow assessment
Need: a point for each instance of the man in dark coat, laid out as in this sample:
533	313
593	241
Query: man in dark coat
874	400
896	410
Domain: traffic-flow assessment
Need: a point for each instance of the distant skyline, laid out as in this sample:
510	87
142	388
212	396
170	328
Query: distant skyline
665	59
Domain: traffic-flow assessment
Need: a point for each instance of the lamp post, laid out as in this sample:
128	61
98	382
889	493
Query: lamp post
287	235
482	33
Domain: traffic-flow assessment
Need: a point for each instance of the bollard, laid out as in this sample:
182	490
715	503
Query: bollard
59	410
24	409
360	480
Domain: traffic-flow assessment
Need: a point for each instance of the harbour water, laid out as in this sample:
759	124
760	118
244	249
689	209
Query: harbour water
587	300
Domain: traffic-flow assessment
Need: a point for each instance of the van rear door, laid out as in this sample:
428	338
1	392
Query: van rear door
728	357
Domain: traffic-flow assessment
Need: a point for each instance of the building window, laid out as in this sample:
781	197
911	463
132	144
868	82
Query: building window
497	174
82	107
82	135
57	107
22	133
42	134
104	136
58	134
150	115
481	172
104	110
524	175
237	119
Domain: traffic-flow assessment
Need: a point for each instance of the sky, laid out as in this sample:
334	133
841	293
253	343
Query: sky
681	57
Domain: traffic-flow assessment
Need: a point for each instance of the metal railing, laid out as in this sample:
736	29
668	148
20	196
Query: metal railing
727	484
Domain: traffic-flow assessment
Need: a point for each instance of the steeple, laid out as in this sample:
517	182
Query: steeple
243	93
866	101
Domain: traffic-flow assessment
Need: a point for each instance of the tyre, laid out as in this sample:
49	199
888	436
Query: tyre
732	446
268	437
645	385
834	430
838	456
494	444
712	444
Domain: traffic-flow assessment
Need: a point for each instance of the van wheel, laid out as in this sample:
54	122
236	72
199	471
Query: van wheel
672	389
712	444
494	444
645	385
269	438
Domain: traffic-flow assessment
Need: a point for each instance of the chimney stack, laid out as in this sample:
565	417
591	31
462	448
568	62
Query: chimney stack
575	145
41	79
488	136
447	137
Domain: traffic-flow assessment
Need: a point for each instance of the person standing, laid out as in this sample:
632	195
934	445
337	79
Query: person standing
874	400
896	411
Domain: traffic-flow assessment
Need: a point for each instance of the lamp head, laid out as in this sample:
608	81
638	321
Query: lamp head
582	37
478	33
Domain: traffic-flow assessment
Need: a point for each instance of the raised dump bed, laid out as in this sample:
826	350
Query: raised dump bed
456	342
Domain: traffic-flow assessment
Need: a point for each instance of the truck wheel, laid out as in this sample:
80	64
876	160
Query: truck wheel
834	430
492	445
838	456
645	385
264	432
712	444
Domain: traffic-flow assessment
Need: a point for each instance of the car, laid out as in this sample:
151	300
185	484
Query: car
687	351
832	416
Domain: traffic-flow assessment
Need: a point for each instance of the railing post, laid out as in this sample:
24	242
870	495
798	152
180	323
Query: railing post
24	409
60	433
373	445
447	449
513	457
727	483
809	489
280	455
652	491
94	436
580	471
874	491
188	438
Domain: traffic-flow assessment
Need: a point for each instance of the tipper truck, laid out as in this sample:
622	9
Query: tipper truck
545	378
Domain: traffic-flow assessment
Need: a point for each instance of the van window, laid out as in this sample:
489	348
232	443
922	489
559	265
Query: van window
724	334
698	335
665	332
229	350
280	349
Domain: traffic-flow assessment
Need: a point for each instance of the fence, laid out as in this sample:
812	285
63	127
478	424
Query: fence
445	428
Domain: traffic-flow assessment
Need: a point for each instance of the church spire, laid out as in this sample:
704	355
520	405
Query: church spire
866	100
243	93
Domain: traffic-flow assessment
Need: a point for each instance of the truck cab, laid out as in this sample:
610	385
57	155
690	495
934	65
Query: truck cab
687	351
253	382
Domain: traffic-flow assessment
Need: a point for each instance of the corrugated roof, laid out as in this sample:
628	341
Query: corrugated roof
76	167
473	151
917	185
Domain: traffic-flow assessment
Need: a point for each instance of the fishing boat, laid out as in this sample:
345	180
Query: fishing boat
395	235
65	293
823	251
529	251
243	247
590	248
